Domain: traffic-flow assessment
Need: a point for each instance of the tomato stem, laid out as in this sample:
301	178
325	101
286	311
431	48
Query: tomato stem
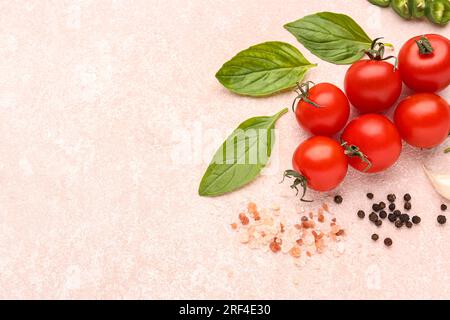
377	49
353	151
302	94
395	63
424	45
299	179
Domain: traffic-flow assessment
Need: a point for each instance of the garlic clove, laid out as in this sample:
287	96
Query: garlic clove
440	182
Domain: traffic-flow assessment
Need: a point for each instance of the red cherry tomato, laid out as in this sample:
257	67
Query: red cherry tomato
330	112
322	162
423	120
372	85
425	67
375	137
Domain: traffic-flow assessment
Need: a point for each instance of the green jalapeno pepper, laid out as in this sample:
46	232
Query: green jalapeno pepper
438	11
401	7
417	8
381	3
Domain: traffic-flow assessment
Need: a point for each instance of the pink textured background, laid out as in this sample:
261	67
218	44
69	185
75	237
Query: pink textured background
98	201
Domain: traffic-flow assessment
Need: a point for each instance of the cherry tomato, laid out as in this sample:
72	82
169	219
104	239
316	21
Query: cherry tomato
372	137
372	85
423	120
327	114
424	63
320	163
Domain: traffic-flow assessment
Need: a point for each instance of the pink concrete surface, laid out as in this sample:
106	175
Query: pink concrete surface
104	108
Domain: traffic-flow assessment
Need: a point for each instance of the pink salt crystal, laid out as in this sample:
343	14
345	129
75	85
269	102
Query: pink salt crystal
251	207
295	252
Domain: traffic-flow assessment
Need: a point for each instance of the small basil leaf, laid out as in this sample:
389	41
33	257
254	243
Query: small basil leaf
241	157
264	69
333	37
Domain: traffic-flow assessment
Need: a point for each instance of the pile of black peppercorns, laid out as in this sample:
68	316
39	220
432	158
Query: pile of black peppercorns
394	216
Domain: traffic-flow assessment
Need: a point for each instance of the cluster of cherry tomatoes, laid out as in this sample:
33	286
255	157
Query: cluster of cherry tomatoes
371	142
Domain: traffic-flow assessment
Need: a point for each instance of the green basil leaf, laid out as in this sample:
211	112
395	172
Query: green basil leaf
264	69
333	37
241	157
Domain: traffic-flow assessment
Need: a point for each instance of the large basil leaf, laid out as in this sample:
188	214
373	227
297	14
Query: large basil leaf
264	69
333	37
241	157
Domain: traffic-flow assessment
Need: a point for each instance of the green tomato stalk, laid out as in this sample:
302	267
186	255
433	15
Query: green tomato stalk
299	180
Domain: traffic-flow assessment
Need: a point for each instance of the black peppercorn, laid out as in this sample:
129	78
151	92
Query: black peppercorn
373	217
378	223
407	206
398	224
404	217
407	197
441	219
383	214
416	219
370	195
361	214
391	197
392	206
374	237
443	207
382	205
397	213
338	199
388	242
392	217
409	224
376	207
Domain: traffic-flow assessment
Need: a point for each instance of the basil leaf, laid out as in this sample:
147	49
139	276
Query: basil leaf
333	37
264	69
241	157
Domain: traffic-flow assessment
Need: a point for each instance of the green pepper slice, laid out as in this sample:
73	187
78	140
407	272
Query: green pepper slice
438	11
381	3
401	7
417	8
